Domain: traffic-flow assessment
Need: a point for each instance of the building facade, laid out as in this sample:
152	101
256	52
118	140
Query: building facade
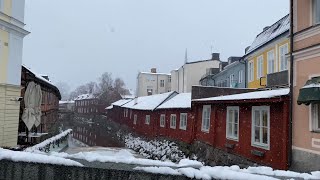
190	73
232	75
306	83
150	83
266	58
49	105
11	44
86	104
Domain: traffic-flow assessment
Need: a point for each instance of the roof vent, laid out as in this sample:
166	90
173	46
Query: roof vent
215	56
153	70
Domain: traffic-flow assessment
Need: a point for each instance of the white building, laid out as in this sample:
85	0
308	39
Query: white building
12	33
149	83
190	73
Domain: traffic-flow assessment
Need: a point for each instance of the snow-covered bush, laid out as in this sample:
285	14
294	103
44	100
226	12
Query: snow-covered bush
155	149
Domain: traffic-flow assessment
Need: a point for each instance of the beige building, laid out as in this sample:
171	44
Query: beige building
150	83
190	73
306	85
11	44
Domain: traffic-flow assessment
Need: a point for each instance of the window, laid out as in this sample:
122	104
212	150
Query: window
250	73
283	50
271	62
124	113
316	11
260	72
149	92
135	118
161	83
183	121
162	120
232	123
173	121
240	76
231	80
315	117
147	119
130	113
169	79
261	127
206	112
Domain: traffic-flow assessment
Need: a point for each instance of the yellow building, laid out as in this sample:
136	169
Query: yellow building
267	65
11	43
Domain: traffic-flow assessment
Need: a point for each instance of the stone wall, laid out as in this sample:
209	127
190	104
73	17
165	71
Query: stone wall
215	157
303	161
33	171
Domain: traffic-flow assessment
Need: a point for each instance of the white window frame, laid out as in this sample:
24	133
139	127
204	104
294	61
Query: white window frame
240	74
147	120
162	83
315	20
273	61
260	72
183	122
283	57
231	79
163	120
260	144
314	117
173	124
250	71
205	125
135	119
232	135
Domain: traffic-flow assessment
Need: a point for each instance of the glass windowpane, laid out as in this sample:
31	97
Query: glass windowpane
265	135
257	118
257	134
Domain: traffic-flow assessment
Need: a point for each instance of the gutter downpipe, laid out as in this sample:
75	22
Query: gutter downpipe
291	86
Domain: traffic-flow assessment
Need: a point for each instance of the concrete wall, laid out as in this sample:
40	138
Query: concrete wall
35	171
190	74
152	81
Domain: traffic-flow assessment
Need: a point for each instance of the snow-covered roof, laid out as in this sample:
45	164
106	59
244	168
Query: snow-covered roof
127	96
121	102
148	102
37	75
182	100
251	95
270	33
66	102
109	107
168	74
313	85
84	97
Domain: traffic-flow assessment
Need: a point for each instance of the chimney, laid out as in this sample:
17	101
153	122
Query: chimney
215	56
153	70
46	77
265	28
233	59
246	50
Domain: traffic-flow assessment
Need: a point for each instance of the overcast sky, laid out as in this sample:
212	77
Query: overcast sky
75	41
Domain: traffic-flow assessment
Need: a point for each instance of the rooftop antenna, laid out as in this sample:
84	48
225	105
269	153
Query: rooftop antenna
186	56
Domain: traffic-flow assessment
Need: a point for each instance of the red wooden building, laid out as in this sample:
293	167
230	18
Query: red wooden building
252	125
49	105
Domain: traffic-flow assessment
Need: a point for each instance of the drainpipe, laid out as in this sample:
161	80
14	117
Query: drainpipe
291	86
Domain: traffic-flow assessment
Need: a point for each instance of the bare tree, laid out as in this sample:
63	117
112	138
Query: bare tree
120	87
105	82
64	89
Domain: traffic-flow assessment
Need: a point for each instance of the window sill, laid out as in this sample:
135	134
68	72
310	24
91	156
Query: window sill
261	146
233	139
205	131
315	131
183	129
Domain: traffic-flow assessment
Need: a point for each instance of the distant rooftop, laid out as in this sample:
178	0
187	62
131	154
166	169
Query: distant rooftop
270	33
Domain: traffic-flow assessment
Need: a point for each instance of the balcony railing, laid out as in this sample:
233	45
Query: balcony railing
278	79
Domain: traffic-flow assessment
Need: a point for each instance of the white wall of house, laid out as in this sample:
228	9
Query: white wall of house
15	59
189	74
152	81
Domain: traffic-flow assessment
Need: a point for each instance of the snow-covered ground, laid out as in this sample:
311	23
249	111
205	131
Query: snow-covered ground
184	167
